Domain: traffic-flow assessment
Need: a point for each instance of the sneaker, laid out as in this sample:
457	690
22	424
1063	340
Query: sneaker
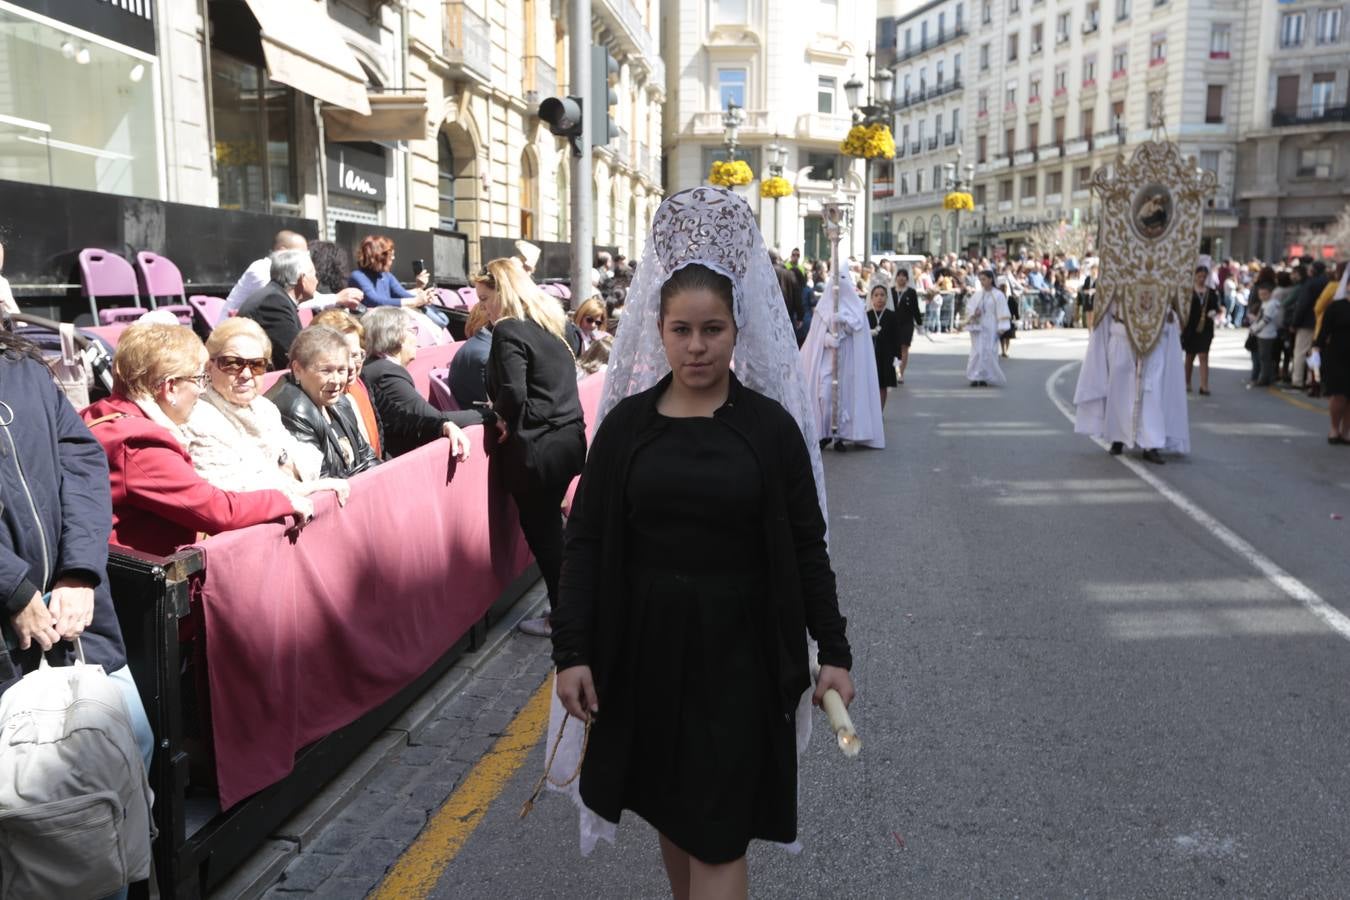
539	627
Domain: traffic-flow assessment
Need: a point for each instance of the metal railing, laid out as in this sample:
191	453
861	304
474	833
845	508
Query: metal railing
467	40
926	94
925	46
916	147
1309	115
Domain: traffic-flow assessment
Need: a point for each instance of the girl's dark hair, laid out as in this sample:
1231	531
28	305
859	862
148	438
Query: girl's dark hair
696	277
331	265
15	347
1283	279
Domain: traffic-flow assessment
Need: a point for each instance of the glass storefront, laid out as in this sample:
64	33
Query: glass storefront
255	140
76	112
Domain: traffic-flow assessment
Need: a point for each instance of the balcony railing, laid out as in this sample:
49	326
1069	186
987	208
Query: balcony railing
915	148
709	122
540	78
926	94
950	138
467	42
924	46
626	22
1310	115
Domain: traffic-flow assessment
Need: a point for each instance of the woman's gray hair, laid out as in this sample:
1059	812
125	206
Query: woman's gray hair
288	264
316	341
385	327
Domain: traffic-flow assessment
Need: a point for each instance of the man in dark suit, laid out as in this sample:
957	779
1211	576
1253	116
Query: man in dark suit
276	306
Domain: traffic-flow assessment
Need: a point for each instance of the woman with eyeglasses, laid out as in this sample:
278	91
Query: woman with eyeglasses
159	502
235	435
590	321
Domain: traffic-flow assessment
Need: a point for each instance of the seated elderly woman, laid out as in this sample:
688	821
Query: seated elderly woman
590	320
310	398
234	434
159	501
468	368
409	420
367	419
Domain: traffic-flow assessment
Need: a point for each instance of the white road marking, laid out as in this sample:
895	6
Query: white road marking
1283	581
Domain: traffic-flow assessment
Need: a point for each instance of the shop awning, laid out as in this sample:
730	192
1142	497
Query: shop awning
400	116
304	49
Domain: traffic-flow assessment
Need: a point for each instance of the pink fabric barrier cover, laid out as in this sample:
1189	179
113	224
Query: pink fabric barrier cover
429	358
304	637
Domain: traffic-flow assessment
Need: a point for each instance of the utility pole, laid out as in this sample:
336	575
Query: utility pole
583	224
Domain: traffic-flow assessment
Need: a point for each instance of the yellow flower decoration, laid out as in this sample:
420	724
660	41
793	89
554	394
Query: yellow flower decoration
775	187
958	200
731	174
869	142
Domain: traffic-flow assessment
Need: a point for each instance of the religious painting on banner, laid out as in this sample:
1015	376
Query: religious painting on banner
1152	206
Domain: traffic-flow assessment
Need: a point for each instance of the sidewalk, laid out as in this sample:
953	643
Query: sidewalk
344	841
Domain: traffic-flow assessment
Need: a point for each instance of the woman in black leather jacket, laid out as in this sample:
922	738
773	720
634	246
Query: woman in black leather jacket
309	399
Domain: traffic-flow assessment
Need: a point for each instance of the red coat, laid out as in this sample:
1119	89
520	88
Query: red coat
159	501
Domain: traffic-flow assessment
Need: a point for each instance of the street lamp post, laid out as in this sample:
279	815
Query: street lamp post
732	120
955	182
877	110
777	160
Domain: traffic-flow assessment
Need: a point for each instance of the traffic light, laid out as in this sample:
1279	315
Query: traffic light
563	117
604	76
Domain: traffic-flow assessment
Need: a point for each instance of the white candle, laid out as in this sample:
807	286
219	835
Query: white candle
849	742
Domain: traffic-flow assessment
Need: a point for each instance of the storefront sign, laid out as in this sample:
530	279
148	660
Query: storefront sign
356	172
127	22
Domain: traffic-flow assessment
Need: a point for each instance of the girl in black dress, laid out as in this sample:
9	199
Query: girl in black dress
908	316
1199	331
884	345
695	565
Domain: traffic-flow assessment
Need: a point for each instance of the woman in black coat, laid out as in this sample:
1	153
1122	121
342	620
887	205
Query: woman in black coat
54	527
1333	343
1199	331
532	383
908	317
695	566
409	420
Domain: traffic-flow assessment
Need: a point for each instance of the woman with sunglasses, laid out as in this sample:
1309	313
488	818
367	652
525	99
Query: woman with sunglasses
235	435
159	502
590	321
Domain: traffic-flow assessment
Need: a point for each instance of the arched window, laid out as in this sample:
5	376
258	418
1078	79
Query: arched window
529	191
614	235
445	181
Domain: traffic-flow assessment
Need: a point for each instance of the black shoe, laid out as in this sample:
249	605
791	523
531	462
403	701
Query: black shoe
1153	456
824	442
1117	448
840	447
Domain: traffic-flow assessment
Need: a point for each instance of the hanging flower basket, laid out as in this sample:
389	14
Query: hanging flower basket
774	187
958	200
733	173
869	142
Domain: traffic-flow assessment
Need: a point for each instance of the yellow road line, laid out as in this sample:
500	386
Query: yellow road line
1301	404
415	874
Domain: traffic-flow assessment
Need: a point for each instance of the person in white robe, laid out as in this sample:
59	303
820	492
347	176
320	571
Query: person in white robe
840	336
987	317
1133	402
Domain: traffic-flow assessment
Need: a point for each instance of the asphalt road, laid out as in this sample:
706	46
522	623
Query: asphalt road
1068	685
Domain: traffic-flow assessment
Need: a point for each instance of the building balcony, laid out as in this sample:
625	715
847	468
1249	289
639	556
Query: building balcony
924	46
466	42
1024	157
915	148
1005	205
926	94
822	127
1317	114
709	124
631	34
539	80
1075	148
933	142
950	138
1103	138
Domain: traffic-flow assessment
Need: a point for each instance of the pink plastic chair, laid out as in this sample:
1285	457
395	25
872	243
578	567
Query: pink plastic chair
440	395
428	333
564	292
447	298
211	309
161	278
469	296
120	315
105	274
271	378
306	316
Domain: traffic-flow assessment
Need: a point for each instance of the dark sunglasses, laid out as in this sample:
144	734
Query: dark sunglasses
233	365
591	320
